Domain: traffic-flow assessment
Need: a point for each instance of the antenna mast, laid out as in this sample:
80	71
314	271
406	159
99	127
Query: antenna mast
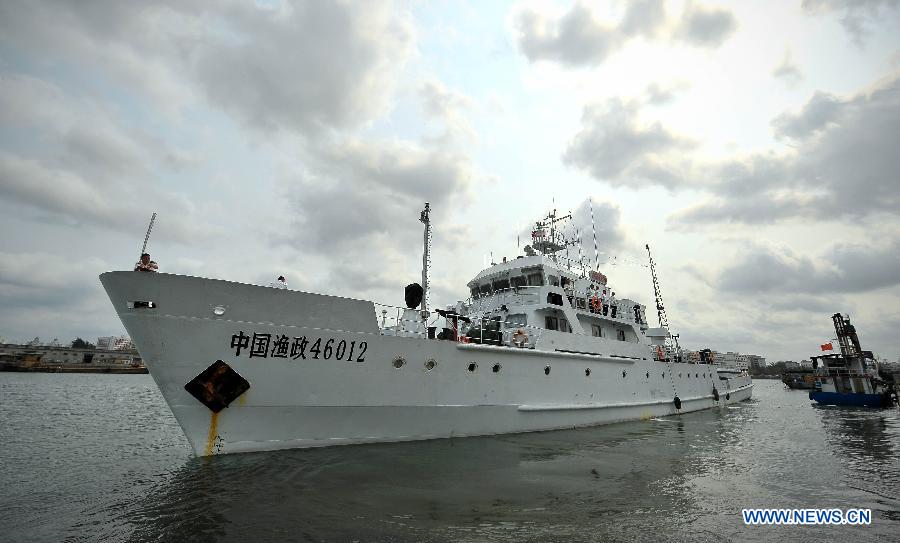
147	237
660	308
545	237
426	255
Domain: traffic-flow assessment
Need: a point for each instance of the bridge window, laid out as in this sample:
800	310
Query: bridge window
553	280
620	335
596	331
564	326
580	303
474	292
518	281
554	298
503	284
551	323
485	289
535	280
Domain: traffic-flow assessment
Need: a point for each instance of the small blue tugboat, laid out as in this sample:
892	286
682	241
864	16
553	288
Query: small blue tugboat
851	377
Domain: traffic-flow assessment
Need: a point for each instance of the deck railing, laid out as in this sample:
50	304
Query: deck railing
402	321
394	318
839	372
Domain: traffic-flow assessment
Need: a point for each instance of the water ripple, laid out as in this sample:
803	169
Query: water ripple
100	458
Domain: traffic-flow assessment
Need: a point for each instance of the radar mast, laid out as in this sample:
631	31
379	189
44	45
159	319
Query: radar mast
426	255
546	237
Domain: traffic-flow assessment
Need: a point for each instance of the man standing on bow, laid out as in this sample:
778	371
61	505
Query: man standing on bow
145	264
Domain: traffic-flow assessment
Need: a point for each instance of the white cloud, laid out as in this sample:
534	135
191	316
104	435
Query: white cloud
577	38
49	293
704	26
843	164
306	66
80	163
303	138
580	37
788	71
614	146
856	15
448	107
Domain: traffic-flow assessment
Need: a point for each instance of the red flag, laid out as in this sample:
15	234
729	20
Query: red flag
827	346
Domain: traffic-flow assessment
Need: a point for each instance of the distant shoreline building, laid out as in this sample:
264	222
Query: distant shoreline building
115	343
730	359
111	351
28	355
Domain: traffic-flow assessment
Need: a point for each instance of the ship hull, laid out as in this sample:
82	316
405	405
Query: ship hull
854	399
351	384
804	381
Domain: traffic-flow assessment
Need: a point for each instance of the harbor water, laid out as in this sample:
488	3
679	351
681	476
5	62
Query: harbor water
101	458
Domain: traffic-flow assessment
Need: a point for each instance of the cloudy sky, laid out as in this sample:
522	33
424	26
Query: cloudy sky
754	145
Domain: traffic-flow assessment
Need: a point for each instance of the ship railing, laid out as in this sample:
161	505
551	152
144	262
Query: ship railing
507	334
669	353
394	320
402	321
840	372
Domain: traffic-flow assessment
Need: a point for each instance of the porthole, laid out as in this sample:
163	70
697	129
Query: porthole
696	375
430	365
496	368
546	370
648	375
587	372
624	373
472	366
399	362
664	375
679	376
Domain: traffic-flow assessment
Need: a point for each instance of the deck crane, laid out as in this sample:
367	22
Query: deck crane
660	308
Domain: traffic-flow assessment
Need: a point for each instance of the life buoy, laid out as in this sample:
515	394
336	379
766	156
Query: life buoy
660	354
596	304
520	338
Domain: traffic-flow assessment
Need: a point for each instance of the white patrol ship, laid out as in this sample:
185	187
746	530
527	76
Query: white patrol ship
538	346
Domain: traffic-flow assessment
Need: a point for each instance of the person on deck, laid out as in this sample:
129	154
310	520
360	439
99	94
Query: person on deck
145	264
279	283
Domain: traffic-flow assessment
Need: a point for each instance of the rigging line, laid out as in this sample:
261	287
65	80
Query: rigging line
580	249
147	236
596	254
518	237
614	260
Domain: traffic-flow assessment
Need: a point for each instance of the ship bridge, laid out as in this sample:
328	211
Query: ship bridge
540	294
